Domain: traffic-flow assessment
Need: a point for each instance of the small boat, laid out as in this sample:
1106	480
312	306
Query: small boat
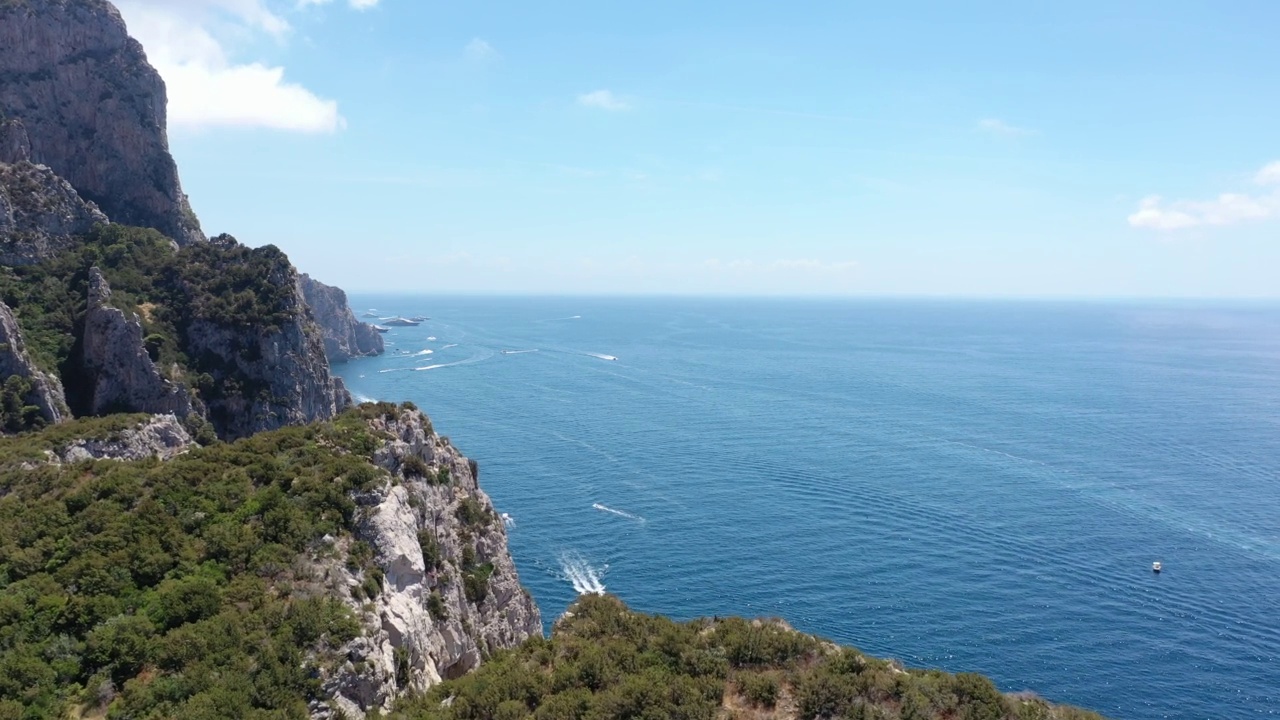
370	315
401	322
1156	567
419	318
381	329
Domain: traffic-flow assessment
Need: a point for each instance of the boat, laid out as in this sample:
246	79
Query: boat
419	318
401	322
370	315
1155	566
381	329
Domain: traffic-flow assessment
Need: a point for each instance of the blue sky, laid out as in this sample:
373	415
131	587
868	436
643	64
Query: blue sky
1089	149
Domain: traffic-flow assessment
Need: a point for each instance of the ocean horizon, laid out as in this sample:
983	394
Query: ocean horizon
975	485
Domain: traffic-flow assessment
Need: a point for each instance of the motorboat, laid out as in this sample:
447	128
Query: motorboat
1156	567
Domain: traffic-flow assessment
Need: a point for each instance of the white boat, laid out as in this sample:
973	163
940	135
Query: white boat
401	322
370	315
1155	566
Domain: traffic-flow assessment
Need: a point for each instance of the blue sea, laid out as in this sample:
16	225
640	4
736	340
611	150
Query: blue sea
975	486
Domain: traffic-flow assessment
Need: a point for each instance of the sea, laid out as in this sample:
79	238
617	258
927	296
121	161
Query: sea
969	485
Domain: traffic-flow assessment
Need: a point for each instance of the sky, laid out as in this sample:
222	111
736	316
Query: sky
1004	149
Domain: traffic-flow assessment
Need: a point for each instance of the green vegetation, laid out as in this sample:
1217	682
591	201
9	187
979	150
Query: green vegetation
604	661
16	415
176	589
176	293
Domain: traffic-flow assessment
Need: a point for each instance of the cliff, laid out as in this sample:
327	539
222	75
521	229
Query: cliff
40	214
92	109
450	593
32	398
344	336
323	570
119	374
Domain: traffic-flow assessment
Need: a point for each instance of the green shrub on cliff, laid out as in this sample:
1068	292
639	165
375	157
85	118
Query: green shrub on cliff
604	661
175	293
174	589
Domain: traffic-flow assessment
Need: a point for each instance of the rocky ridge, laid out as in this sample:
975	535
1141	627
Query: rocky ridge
92	109
344	336
40	213
429	529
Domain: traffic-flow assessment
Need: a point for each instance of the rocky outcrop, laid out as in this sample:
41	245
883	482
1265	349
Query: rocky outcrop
45	391
344	336
40	213
439	612
119	374
161	436
92	109
280	372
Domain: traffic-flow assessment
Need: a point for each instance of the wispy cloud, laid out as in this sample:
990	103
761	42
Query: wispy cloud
1002	128
357	4
604	100
1227	208
479	51
206	87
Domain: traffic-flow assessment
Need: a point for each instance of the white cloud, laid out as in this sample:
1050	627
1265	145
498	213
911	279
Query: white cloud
479	51
604	100
1269	174
1226	209
184	40
357	4
1000	127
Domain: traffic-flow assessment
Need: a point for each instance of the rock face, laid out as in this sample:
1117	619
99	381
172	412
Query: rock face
46	391
120	375
284	376
344	336
425	625
161	436
40	213
93	110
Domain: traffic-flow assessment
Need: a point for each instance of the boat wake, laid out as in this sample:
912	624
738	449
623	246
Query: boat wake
579	573
602	357
423	352
446	347
518	352
619	513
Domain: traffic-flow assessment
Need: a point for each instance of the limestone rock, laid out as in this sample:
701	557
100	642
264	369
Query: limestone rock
92	109
344	336
281	369
161	436
46	390
121	376
395	520
40	213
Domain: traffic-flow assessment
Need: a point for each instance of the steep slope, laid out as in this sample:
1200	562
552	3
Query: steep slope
215	327
276	577
31	397
344	336
40	214
92	109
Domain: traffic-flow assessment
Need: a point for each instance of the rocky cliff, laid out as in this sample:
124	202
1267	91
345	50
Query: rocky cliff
39	390
92	109
268	365
450	594
119	374
40	213
344	336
